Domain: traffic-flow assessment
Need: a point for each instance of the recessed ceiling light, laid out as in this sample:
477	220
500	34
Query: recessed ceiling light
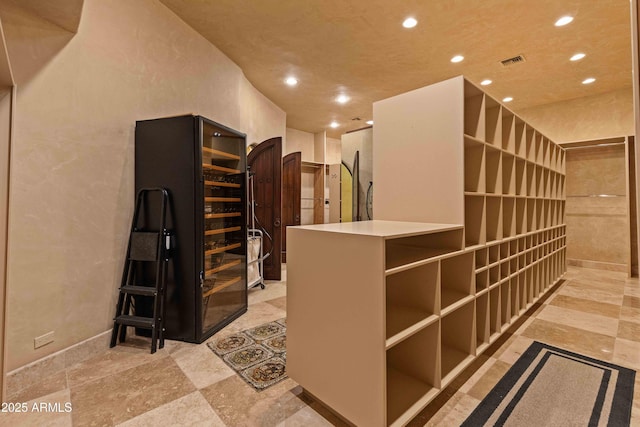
486	82
334	124
577	57
369	122
588	81
342	99
410	22
291	81
563	21
457	58
507	99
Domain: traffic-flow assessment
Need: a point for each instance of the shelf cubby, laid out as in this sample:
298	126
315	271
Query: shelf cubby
474	119
530	145
547	184
514	264
482	280
494	312
530	175
407	250
513	247
482	320
521	219
547	213
546	155
474	220
494	218
457	341
474	171
531	215
493	163
493	120
508	174
539	182
553	156
508	217
521	181
494	254
505	269
515	299
456	279
494	275
412	372
481	258
508	131
505	303
520	135
540	214
411	299
538	148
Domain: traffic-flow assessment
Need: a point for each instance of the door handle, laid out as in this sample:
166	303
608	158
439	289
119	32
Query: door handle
276	223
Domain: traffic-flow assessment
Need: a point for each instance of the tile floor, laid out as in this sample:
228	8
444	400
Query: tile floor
592	312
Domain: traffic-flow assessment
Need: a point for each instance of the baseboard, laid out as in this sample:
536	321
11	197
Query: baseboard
34	372
609	266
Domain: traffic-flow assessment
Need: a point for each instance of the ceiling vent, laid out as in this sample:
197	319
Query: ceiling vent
511	61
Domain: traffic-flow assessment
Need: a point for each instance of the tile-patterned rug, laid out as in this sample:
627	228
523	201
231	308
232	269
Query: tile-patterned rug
258	355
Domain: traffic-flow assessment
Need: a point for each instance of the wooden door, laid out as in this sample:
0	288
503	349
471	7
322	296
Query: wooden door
265	161
291	193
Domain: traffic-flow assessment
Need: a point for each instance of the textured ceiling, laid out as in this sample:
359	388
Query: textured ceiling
360	48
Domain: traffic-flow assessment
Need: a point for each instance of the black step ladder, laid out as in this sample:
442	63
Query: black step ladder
146	246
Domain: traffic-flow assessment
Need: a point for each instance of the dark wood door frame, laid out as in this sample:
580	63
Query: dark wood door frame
265	161
291	195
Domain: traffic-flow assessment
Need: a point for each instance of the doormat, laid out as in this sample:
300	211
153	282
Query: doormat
258	355
549	386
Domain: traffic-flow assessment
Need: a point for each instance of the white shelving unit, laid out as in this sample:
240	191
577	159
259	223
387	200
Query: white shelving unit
382	315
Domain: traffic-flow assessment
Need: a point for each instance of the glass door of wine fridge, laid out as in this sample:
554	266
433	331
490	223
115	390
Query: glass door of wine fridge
224	285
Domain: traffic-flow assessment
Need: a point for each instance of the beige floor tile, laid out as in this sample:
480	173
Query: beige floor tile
578	319
240	405
459	412
573	339
190	410
630	314
580	290
632	290
477	375
629	301
587	306
271	291
627	353
33	373
280	303
127	394
484	384
629	330
117	359
513	352
201	365
52	384
54	413
305	417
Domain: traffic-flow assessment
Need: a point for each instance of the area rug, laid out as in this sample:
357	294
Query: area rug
258	355
549	386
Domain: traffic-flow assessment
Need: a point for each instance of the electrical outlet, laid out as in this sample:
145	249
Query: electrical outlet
43	339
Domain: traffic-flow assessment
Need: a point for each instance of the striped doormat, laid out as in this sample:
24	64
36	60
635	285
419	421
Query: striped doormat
549	386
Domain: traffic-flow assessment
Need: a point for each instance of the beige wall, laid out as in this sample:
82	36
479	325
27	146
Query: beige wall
591	117
298	140
597	227
72	161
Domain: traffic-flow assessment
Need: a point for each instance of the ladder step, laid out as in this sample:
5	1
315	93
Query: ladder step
137	321
139	290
